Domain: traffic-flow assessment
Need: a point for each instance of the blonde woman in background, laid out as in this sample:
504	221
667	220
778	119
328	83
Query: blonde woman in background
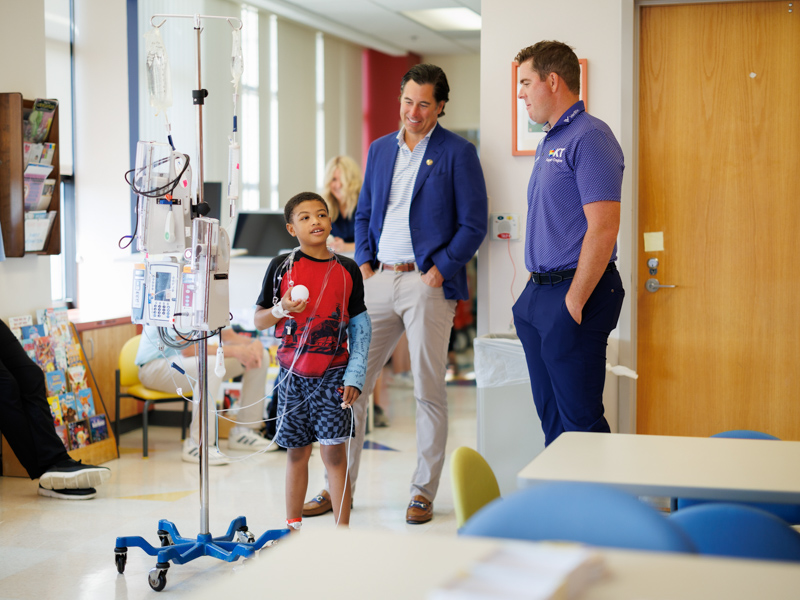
342	186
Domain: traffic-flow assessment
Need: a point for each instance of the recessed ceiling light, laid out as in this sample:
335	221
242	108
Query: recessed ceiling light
446	19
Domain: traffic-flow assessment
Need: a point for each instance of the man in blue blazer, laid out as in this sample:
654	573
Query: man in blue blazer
421	216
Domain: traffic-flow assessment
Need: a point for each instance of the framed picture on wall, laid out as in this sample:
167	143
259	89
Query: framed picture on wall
525	134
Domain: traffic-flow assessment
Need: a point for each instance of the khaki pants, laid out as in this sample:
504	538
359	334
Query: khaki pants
159	375
399	302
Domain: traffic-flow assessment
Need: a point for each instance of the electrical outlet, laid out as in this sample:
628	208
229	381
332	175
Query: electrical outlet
505	226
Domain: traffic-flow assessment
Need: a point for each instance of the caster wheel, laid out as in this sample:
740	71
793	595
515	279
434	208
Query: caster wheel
165	537
244	536
157	578
120	558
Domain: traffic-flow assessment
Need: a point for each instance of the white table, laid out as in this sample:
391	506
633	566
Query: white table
379	564
685	467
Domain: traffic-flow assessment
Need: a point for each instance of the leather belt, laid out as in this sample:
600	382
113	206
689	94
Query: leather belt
553	277
398	268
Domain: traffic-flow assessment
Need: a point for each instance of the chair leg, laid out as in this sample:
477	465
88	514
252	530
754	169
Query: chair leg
144	427
116	409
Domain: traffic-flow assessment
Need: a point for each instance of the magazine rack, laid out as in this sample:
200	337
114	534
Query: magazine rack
12	191
238	541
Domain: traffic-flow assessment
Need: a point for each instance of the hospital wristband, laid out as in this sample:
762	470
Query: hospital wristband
278	312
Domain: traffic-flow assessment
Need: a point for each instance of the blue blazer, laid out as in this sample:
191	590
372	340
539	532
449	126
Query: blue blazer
449	208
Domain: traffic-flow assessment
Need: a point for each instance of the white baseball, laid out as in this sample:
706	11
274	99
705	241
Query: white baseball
299	292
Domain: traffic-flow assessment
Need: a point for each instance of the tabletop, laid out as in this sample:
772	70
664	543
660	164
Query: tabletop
688	467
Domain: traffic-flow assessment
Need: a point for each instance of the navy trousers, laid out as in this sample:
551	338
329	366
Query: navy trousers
25	418
567	361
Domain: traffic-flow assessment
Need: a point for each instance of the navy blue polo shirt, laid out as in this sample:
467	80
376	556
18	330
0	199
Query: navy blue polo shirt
579	161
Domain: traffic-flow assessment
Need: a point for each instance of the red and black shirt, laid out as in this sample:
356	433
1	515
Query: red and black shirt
336	293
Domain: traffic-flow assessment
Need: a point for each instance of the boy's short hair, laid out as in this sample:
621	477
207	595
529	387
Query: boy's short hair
288	210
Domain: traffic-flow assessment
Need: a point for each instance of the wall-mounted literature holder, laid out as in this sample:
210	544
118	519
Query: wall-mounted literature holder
12	180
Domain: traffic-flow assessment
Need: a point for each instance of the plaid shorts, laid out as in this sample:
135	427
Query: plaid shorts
309	409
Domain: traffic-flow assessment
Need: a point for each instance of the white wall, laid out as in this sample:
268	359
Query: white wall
601	31
24	282
102	197
464	78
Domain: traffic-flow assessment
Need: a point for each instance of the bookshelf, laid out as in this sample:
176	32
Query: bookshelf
95	453
12	191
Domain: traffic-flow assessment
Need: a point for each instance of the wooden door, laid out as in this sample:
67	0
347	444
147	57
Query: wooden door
719	175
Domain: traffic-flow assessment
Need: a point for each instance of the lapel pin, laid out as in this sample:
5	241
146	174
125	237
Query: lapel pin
429	162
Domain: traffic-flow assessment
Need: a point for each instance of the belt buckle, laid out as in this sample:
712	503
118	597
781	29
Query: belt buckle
396	267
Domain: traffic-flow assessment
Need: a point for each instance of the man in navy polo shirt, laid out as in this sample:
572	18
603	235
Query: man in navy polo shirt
573	298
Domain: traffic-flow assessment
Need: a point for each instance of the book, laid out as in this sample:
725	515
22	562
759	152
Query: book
45	356
19	322
79	436
56	383
74	355
60	351
30	348
30	332
98	427
37	229
61	430
15	324
31	153
77	378
36	127
33	182
55	410
46	157
85	403
47	194
69	411
57	320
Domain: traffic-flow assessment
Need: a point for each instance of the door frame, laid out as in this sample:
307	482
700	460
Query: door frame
629	227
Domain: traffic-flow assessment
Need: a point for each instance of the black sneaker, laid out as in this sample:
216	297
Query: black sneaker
72	474
78	494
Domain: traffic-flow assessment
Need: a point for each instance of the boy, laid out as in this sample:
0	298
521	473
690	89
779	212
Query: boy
319	378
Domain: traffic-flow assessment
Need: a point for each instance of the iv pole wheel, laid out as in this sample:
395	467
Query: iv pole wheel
165	538
157	578
120	558
244	536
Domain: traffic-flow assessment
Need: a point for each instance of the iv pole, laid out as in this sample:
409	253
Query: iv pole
238	541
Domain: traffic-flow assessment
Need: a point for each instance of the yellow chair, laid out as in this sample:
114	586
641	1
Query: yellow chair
474	483
129	386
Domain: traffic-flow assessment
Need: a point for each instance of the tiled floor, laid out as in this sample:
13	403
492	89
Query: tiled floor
52	549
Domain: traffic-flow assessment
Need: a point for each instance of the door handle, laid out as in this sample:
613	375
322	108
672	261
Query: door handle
652	285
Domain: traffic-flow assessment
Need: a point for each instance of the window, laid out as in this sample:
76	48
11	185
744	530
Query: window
251	199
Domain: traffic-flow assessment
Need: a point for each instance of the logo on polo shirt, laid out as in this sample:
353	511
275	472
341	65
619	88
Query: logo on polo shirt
555	155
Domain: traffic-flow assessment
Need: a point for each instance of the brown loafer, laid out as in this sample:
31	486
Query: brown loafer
318	505
420	510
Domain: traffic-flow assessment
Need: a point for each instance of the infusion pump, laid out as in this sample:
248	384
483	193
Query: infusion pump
190	290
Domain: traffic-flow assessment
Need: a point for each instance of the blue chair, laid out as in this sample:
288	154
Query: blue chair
578	512
738	530
786	512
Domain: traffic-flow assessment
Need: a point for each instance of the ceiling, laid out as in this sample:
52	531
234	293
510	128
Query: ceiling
378	24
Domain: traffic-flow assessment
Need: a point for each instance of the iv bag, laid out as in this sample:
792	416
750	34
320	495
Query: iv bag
237	65
159	81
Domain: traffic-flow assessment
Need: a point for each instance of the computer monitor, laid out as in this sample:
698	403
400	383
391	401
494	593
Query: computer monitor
212	195
262	234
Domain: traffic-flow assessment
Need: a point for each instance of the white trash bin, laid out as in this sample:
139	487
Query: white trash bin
509	431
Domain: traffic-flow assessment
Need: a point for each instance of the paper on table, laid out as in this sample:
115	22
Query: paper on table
539	571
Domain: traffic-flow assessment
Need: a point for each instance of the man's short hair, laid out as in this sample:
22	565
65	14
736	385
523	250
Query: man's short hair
554	57
288	210
427	73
